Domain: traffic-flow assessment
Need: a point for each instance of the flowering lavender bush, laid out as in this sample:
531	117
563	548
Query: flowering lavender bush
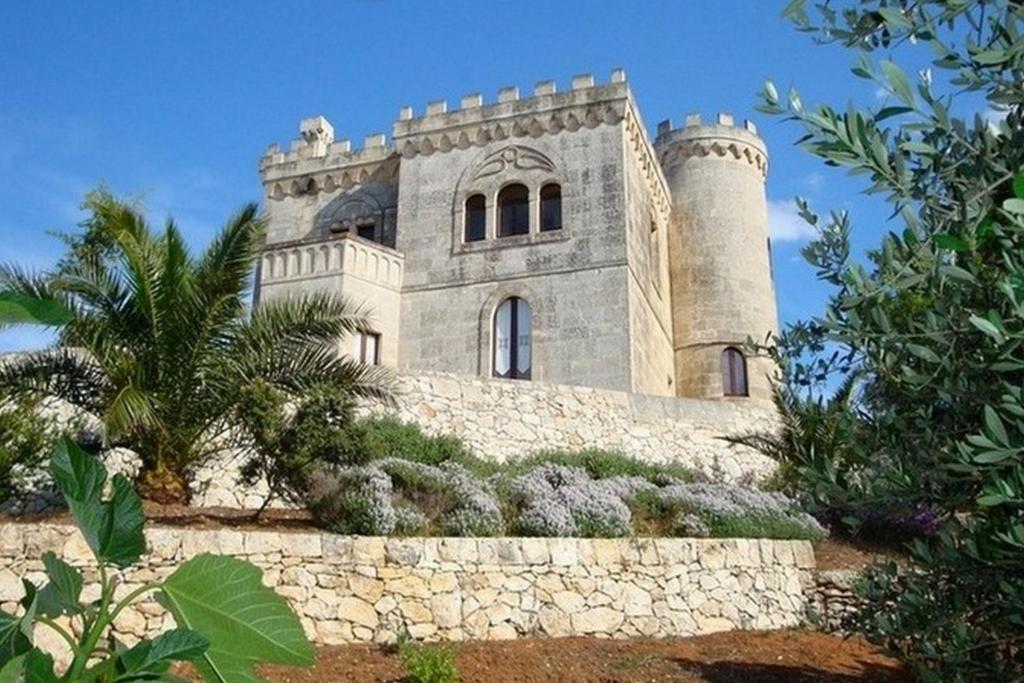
399	496
394	496
554	500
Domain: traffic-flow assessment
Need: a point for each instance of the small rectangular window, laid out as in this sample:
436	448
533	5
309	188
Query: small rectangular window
550	207
367	231
366	348
476	218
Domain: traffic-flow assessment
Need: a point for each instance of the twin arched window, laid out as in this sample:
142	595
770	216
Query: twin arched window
513	215
513	331
734	372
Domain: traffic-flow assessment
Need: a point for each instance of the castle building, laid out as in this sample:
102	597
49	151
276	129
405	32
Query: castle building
542	238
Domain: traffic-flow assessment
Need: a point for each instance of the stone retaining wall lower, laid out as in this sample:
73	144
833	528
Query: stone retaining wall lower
832	598
349	589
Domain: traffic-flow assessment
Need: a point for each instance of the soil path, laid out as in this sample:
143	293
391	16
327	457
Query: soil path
736	657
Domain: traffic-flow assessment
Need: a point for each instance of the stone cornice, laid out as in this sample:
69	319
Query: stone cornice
650	166
293	179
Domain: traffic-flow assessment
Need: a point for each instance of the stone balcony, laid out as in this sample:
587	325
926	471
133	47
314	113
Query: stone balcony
344	255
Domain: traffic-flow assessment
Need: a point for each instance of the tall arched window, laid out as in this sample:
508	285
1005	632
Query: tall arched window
513	211
513	329
476	218
734	372
550	207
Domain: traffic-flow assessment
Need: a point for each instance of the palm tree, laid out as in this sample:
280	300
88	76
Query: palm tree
161	343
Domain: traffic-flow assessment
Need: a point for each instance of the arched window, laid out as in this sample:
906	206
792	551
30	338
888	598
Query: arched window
551	207
513	329
734	372
476	218
513	211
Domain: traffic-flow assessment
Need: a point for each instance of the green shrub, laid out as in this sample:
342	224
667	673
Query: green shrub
388	437
289	437
602	464
429	664
25	438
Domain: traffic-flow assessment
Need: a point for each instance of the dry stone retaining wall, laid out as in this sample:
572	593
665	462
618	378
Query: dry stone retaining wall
507	419
371	589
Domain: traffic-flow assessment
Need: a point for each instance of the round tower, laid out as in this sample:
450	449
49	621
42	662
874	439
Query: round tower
721	274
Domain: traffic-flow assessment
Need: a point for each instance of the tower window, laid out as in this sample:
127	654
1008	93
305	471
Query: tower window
551	207
476	218
513	211
366	348
734	372
513	329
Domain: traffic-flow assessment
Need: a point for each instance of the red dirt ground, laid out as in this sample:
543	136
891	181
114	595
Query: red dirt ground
737	657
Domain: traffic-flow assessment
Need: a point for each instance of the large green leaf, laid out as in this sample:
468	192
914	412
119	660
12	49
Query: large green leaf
16	632
61	595
13	639
12	671
113	527
39	667
17	308
152	657
224	599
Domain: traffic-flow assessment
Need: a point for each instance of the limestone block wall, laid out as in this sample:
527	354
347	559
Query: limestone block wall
360	589
507	419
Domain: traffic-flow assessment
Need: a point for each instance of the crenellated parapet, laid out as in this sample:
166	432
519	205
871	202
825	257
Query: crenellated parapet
548	111
317	162
724	138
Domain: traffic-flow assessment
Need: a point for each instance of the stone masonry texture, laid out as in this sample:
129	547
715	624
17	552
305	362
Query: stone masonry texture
363	589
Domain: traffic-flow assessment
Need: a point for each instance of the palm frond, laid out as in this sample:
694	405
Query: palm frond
68	374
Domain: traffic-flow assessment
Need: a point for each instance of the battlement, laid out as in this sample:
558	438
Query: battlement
315	150
475	101
725	138
546	110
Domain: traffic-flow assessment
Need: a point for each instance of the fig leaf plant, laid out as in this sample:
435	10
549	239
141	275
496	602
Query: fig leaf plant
227	620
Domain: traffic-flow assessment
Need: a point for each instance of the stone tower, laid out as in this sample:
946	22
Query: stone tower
720	263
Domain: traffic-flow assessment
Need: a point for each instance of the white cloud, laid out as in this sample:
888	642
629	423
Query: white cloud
785	223
814	180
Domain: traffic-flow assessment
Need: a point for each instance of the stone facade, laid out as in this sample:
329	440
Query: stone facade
507	419
658	264
351	589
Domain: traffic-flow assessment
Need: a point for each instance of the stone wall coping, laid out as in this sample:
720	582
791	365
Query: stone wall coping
425	552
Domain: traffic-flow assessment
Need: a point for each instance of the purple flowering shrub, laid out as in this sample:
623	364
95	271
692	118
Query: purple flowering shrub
401	497
554	500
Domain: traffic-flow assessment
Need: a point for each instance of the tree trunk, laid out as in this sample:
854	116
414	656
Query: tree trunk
161	484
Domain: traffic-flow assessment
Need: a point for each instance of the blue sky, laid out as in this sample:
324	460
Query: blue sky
175	102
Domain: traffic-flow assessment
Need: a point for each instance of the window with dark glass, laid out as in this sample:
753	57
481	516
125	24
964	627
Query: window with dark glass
367	231
476	218
551	207
734	372
513	211
366	348
513	329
